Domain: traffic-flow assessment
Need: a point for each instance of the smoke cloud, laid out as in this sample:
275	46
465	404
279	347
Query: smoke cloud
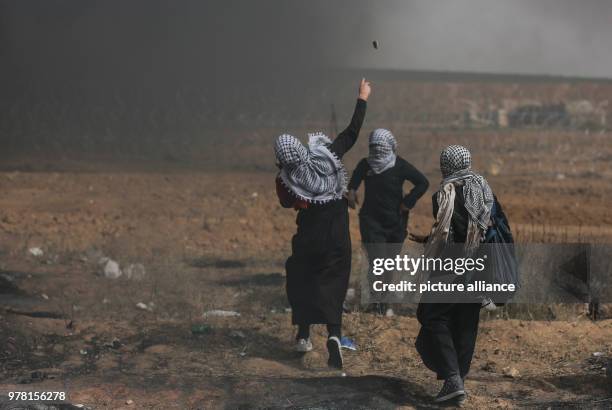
196	41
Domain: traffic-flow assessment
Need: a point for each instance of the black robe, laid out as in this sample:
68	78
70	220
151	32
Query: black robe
319	267
380	220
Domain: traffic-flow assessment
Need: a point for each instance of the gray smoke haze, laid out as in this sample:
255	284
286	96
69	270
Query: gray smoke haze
137	75
186	40
554	37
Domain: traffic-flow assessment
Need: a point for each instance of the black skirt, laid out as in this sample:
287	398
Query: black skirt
319	267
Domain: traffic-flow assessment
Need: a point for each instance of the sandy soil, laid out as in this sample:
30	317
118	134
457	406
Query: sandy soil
215	239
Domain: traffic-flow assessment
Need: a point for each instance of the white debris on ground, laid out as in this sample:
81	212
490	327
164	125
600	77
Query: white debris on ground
36	252
110	268
221	313
510	372
144	306
135	271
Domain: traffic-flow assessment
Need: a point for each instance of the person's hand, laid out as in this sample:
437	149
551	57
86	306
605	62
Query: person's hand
418	238
404	209
351	197
365	89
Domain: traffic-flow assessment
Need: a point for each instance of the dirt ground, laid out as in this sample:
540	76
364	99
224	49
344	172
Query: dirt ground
210	238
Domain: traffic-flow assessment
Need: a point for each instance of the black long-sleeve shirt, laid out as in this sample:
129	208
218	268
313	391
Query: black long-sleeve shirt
347	138
384	192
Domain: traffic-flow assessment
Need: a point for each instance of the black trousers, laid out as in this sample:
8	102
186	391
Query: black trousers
382	242
447	337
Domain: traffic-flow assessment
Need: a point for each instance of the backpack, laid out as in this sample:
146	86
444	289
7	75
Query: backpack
503	260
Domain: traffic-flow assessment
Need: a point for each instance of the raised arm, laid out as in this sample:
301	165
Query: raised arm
347	138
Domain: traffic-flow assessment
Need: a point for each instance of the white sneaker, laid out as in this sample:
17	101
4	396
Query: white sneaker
335	353
303	345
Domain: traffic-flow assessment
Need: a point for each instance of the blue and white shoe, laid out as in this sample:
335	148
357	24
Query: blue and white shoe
347	343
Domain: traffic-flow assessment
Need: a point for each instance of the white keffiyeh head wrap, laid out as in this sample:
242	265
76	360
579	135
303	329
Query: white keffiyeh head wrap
311	173
382	154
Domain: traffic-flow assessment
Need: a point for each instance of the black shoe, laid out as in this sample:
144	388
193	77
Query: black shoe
452	388
335	353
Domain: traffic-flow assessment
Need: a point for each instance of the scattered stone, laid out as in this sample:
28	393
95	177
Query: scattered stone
221	313
114	344
44	296
511	372
111	269
36	252
129	402
490	367
254	195
135	271
237	334
144	306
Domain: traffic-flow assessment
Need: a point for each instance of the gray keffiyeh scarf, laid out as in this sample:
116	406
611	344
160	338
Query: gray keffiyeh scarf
312	173
455	164
382	150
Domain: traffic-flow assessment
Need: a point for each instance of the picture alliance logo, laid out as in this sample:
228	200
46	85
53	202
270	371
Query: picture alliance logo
410	265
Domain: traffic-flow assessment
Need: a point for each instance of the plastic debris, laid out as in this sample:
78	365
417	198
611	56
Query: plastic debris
111	269
36	252
144	306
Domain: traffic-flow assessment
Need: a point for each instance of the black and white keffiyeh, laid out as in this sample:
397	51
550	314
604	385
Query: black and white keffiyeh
382	154
455	164
312	173
454	158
